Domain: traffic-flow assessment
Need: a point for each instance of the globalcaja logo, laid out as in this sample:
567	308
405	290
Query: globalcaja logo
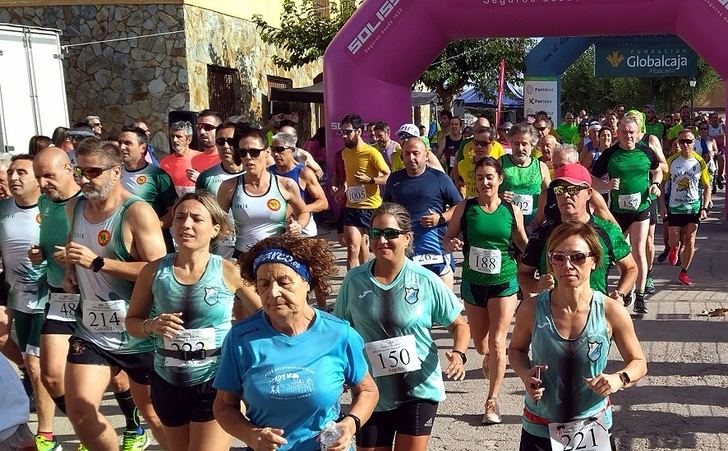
615	59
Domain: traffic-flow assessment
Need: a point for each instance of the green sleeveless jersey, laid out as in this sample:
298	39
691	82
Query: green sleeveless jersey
524	182
566	397
152	185
54	228
206	307
488	247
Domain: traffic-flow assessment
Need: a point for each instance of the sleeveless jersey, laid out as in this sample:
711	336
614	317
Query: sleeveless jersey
311	229
105	298
488	246
686	177
210	180
152	185
19	229
54	228
206	305
450	152
522	181
257	217
566	397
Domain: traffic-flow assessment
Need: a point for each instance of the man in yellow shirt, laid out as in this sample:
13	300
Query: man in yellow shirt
483	145
365	170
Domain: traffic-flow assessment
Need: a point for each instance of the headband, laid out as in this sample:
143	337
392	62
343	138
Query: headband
282	256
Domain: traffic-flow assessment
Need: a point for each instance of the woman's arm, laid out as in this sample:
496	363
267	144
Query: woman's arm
137	317
364	399
461	334
518	235
229	413
519	347
451	242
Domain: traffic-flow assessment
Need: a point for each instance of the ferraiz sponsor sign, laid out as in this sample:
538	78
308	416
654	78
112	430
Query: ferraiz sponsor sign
376	27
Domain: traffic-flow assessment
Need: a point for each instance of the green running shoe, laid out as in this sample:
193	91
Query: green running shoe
135	442
649	285
43	444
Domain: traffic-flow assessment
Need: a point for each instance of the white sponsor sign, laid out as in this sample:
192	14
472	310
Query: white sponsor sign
541	95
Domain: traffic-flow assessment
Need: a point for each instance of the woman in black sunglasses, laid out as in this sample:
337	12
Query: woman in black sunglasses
262	204
393	302
568	332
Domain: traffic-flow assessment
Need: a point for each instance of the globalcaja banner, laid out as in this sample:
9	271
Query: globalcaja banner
645	60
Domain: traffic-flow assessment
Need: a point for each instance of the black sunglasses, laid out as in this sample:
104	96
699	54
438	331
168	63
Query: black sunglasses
279	149
479	143
388	233
540	128
577	258
206	127
685	141
572	190
222	141
242	153
90	172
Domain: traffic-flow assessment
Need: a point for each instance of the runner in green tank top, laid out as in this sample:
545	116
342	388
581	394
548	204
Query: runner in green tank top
524	178
489	286
567	332
185	302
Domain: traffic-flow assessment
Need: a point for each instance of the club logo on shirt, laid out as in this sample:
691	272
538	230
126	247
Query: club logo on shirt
142	179
290	382
411	295
211	296
37	218
104	237
595	351
274	204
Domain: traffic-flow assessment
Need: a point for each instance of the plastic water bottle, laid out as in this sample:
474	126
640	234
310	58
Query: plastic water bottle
329	435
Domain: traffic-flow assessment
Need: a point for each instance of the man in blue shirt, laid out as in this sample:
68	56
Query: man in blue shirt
430	197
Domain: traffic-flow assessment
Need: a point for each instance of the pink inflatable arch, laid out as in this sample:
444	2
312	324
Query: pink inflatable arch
372	62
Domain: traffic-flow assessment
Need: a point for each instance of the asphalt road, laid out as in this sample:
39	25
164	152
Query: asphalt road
682	404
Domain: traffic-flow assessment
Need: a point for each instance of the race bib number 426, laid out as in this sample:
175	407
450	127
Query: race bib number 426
393	356
105	316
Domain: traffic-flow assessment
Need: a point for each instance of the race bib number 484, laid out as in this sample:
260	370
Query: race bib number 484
393	356
63	307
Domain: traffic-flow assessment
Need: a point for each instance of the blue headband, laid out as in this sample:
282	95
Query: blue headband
282	256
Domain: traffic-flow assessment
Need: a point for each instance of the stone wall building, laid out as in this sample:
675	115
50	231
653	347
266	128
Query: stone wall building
133	60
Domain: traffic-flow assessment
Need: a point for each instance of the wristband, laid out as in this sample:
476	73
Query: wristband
621	295
655	183
357	421
461	354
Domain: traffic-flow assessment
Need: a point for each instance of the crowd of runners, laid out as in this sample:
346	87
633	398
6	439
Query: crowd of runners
194	288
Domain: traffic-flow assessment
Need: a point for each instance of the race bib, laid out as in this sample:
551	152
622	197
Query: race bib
486	261
584	435
453	161
629	201
190	340
393	356
62	306
103	317
356	194
524	202
428	259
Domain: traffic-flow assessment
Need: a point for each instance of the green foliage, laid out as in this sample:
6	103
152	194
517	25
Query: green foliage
581	90
305	33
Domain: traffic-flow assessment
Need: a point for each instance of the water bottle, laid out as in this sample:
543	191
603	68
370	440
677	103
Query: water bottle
329	435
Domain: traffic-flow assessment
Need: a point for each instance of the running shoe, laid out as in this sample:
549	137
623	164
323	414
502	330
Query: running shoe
684	279
627	299
720	181
663	256
649	285
135	442
81	447
673	256
639	305
492	412
43	444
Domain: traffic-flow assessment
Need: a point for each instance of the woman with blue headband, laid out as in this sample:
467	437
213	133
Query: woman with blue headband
394	303
287	364
185	299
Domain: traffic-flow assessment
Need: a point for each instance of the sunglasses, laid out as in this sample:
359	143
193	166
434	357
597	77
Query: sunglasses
222	141
479	143
346	131
206	127
685	141
254	153
572	190
540	128
90	172
388	233
96	125
279	149
577	258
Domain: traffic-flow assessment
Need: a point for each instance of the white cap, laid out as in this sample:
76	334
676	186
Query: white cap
408	129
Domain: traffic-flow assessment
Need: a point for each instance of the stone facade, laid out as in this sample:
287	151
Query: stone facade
130	78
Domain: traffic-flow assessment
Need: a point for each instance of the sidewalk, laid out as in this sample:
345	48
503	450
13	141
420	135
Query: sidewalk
682	404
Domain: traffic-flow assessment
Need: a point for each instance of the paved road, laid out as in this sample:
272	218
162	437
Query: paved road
682	404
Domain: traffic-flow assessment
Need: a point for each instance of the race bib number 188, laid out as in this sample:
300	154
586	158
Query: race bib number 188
487	261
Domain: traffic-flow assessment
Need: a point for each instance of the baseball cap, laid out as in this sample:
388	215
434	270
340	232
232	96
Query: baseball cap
584	123
595	125
505	125
574	173
407	131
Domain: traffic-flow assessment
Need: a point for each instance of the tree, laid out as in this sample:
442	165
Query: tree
580	89
307	29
